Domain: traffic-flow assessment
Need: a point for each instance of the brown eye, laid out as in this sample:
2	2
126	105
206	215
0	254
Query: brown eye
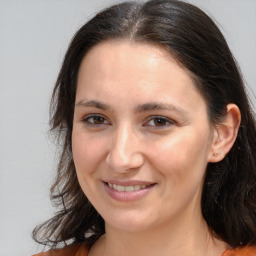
160	122
98	120
95	120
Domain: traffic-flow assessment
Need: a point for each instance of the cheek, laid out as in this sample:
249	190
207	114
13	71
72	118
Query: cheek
182	159
88	153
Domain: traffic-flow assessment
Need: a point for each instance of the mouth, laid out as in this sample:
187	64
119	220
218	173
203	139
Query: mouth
128	191
130	188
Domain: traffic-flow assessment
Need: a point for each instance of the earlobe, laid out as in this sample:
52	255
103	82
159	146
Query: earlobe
225	134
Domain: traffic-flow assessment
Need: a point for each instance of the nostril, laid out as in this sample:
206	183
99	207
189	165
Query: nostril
124	162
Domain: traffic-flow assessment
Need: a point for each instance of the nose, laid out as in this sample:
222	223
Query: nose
125	154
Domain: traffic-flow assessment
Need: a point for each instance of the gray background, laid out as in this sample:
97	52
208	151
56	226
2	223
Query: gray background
34	35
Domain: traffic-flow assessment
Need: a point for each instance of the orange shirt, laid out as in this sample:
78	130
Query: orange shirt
243	251
73	250
82	250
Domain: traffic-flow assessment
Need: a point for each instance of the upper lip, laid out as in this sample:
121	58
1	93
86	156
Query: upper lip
129	182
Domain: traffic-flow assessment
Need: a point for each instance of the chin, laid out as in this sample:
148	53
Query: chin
130	223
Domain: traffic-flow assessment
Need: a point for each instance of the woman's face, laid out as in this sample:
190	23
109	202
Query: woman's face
141	136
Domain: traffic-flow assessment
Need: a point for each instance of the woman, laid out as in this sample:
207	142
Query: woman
158	139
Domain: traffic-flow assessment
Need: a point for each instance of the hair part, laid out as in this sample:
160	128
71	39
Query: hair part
193	39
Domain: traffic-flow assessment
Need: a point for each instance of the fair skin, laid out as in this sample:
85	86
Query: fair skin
141	143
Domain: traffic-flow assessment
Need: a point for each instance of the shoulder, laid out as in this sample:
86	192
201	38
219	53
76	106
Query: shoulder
72	250
242	251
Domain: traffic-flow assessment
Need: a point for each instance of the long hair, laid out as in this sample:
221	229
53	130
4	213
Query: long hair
193	39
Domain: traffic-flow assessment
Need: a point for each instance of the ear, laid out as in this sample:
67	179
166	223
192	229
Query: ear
225	134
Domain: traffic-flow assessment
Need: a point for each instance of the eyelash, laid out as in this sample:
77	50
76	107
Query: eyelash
167	121
94	116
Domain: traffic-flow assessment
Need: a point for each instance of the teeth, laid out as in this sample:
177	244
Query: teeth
120	188
137	187
126	188
129	188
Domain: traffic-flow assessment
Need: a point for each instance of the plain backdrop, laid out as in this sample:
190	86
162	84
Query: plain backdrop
34	35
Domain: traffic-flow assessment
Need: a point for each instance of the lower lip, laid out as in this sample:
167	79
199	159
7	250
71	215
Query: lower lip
128	196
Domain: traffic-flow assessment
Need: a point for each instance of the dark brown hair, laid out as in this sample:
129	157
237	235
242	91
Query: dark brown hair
229	195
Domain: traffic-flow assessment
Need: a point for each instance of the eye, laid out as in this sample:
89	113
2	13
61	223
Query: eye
159	121
95	120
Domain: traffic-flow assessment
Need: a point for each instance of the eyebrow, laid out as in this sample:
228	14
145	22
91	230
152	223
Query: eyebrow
159	106
147	107
92	103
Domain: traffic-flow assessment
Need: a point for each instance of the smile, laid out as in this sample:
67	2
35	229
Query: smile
128	192
127	188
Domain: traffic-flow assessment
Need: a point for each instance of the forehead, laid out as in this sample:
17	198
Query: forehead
121	49
134	72
114	58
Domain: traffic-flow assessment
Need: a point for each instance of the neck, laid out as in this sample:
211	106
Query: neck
181	238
